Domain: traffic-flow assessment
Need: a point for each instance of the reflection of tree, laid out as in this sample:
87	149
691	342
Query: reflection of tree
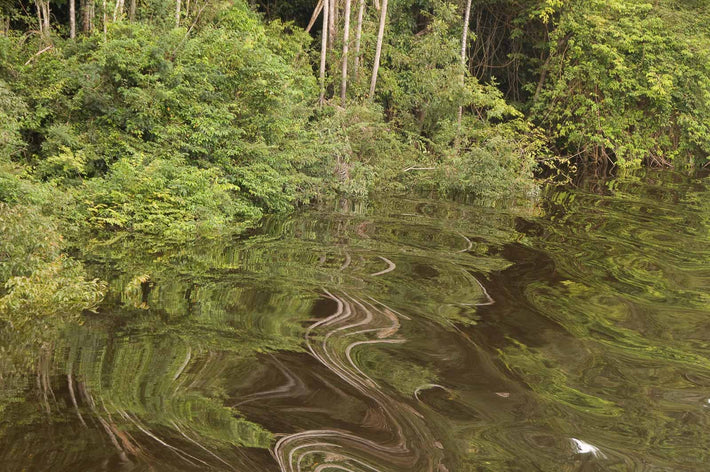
182	329
631	303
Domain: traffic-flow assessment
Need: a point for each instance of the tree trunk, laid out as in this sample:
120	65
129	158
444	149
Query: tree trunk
105	18
331	23
45	5
40	23
177	13
464	40
118	10
315	15
43	16
358	38
72	19
132	11
346	41
86	15
324	49
378	49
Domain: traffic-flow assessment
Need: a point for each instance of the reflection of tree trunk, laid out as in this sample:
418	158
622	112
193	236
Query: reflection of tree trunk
346	41
378	49
43	383
70	383
358	37
324	50
113	431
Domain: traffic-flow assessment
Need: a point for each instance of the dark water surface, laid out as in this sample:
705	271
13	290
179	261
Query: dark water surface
411	334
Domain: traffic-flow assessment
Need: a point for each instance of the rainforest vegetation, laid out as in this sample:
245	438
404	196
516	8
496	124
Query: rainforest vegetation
134	134
184	119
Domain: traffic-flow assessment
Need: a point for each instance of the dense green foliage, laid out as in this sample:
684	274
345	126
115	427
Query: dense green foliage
146	125
629	80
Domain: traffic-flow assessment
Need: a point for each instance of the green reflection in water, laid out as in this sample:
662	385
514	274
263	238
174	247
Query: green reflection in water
412	334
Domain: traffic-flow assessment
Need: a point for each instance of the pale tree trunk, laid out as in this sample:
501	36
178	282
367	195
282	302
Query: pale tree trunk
46	17
87	14
40	23
105	18
346	41
72	19
132	11
378	49
43	17
118	10
464	40
358	38
177	13
315	15
331	23
324	49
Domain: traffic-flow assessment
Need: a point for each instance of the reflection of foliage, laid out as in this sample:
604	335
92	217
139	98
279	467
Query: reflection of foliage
550	382
181	331
28	240
43	288
629	298
56	288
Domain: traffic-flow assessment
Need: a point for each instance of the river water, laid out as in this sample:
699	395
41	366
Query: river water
569	333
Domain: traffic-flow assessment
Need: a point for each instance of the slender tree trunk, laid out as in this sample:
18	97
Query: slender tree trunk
86	14
346	42
331	23
177	13
132	10
358	38
38	5
118	10
46	17
72	19
315	15
324	49
105	18
464	43
378	49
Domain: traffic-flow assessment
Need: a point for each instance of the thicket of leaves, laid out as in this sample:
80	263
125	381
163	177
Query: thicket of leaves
628	81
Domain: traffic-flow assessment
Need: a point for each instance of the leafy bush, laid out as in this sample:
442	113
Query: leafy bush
166	196
29	240
12	111
629	81
55	290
